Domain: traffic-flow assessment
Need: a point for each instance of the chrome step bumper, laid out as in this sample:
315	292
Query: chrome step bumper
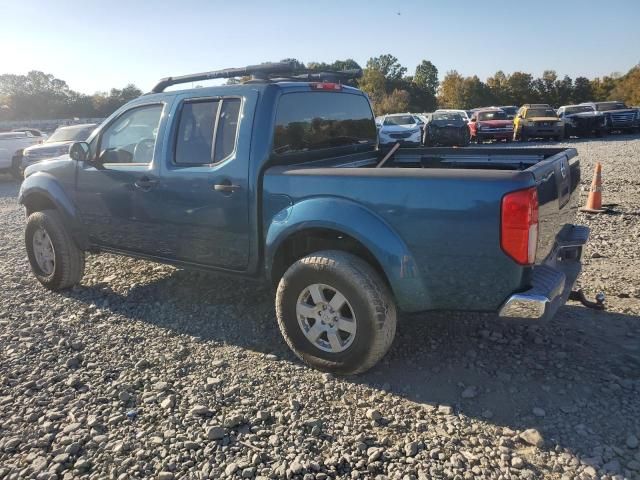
551	282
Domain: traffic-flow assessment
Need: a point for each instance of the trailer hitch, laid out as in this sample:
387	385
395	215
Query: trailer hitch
578	295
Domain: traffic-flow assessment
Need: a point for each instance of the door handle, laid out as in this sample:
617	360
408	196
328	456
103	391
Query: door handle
145	183
225	187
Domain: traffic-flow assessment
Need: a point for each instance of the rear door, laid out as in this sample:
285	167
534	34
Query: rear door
203	195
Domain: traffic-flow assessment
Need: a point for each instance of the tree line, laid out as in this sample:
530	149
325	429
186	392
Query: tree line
41	96
38	95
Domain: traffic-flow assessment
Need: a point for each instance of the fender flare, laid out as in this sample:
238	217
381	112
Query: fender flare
368	228
44	185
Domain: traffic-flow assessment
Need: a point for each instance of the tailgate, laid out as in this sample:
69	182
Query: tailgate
557	179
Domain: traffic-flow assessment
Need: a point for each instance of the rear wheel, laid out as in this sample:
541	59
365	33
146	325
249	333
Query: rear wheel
55	259
335	312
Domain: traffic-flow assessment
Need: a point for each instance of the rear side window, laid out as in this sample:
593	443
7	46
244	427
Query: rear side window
311	121
203	125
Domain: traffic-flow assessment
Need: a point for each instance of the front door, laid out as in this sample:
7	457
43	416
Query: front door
204	189
113	189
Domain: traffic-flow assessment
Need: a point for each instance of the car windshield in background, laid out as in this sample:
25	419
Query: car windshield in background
453	117
495	115
572	110
70	134
540	112
603	107
309	121
400	120
510	110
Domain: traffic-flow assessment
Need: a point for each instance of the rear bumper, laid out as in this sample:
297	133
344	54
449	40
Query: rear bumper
551	282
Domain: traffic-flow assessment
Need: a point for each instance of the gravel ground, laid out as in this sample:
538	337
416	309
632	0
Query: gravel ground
145	371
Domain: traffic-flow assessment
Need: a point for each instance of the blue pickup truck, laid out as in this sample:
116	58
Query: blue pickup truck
280	179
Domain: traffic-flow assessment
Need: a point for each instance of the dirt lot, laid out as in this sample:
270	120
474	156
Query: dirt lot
145	371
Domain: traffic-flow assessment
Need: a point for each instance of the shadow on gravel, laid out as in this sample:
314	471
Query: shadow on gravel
573	378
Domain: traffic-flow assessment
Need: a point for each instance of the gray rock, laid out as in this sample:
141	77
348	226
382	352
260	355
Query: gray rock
532	437
539	412
215	433
200	411
231	469
373	414
411	449
632	441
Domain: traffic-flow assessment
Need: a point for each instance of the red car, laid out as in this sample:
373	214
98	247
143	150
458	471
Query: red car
490	124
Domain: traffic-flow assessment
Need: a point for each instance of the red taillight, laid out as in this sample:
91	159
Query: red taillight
519	225
326	86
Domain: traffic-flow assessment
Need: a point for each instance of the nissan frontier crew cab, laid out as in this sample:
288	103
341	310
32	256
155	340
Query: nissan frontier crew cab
280	179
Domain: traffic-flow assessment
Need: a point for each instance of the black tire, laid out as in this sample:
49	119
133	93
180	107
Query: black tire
68	258
524	137
16	170
368	296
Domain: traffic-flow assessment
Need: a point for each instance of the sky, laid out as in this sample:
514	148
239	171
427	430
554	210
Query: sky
96	45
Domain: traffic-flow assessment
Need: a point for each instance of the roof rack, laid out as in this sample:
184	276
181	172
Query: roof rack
267	72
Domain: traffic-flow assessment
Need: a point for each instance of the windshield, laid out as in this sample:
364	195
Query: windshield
540	112
510	110
400	120
603	107
494	115
578	109
71	134
452	117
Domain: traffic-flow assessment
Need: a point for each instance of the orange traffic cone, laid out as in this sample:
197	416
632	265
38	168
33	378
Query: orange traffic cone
594	202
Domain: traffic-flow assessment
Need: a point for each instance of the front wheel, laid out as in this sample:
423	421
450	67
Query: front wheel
56	261
335	312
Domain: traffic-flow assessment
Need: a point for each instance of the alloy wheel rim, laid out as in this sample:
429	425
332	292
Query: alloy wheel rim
326	318
43	251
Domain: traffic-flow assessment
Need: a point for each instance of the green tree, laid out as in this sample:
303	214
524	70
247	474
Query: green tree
581	90
396	101
451	93
426	77
520	88
388	65
499	87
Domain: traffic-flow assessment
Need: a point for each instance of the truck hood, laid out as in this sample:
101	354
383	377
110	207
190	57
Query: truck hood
399	128
583	115
495	123
542	119
44	149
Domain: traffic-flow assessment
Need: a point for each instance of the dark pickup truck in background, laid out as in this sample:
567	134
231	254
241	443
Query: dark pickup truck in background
617	116
280	179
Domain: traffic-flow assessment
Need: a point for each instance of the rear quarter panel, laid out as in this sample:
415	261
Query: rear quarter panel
449	221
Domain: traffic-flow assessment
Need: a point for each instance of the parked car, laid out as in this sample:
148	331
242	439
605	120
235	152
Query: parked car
537	121
400	127
510	110
463	113
34	131
12	144
490	124
445	128
57	144
282	181
581	121
617	116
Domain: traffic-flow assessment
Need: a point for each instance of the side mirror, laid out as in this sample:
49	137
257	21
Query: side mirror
79	151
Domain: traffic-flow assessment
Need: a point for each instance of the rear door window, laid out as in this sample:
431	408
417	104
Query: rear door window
207	131
313	121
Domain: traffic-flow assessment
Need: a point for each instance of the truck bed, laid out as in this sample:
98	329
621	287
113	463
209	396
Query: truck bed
445	204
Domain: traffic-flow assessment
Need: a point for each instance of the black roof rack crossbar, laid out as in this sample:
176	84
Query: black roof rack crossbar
261	73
